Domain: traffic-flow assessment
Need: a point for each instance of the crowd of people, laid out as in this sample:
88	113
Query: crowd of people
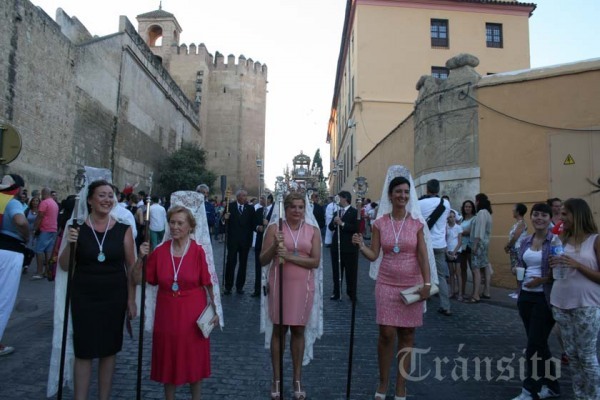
416	246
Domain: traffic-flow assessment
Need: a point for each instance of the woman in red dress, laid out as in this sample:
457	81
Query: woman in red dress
180	353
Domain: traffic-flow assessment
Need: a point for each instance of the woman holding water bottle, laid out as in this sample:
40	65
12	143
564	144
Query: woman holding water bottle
533	269
576	298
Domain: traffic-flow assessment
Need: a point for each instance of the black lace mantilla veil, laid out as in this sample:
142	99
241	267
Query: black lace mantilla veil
314	327
385	207
194	202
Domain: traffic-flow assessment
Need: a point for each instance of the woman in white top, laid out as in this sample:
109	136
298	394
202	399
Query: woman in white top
468	214
516	234
454	243
576	298
481	231
534	307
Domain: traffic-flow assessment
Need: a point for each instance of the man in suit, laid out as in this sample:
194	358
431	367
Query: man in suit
345	219
319	213
262	216
240	221
211	212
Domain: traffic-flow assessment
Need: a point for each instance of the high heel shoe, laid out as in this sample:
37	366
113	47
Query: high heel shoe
299	394
275	395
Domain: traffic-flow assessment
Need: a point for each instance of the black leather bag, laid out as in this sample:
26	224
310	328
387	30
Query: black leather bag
436	214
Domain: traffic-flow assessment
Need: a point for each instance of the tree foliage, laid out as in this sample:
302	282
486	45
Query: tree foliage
322	186
185	169
318	162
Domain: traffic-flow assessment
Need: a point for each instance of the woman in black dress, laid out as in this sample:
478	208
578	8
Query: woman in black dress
100	296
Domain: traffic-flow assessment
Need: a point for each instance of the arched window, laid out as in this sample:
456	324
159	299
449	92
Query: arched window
155	35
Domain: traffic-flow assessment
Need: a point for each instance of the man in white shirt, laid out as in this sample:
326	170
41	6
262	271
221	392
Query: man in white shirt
330	209
428	206
158	222
262	215
262	202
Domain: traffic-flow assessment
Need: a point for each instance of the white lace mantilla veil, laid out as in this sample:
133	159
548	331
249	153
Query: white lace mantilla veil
194	202
385	207
314	327
60	288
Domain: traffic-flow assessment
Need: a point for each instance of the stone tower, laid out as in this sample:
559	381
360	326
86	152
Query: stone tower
230	98
161	31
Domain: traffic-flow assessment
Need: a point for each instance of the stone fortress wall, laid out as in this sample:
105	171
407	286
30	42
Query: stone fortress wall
230	97
114	102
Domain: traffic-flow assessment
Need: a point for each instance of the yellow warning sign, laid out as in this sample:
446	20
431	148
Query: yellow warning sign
569	160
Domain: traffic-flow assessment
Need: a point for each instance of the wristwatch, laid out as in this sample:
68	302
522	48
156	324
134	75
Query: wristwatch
427	284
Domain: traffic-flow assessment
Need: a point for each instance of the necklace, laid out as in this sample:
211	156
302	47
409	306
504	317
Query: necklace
101	256
396	248
295	239
175	285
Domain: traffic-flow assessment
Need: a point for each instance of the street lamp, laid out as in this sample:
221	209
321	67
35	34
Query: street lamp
261	175
338	168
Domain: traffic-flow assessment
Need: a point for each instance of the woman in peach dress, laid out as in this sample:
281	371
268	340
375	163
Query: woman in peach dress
299	245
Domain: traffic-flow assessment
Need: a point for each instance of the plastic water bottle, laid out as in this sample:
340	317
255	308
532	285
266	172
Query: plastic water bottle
556	249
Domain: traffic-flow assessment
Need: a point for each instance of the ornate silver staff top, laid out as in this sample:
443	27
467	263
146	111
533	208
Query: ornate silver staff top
280	188
149	181
360	187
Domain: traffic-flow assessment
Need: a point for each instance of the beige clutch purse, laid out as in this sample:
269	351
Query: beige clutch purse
411	295
205	318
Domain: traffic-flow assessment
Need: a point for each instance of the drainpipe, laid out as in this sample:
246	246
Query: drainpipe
115	125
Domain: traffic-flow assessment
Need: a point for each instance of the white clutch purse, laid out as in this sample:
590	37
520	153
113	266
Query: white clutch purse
411	295
205	318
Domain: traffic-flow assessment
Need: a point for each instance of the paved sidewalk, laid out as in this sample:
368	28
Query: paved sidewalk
448	366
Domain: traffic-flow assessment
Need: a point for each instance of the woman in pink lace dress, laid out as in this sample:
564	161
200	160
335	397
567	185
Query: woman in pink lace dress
405	264
299	245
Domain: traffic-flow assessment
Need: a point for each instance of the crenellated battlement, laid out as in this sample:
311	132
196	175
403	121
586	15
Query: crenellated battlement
219	62
229	93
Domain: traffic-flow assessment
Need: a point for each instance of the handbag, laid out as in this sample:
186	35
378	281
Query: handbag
411	295
205	318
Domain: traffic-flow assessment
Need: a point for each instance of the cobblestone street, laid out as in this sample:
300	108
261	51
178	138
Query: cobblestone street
447	369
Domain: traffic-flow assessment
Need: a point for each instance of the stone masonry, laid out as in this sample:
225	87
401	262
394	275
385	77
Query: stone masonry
445	129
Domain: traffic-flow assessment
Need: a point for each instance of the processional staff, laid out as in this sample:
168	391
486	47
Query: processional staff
138	389
336	199
227	194
360	188
280	188
79	183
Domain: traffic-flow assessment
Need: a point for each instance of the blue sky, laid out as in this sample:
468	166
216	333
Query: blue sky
299	40
564	31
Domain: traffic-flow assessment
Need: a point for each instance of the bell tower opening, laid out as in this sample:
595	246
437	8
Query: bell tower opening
160	30
155	36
